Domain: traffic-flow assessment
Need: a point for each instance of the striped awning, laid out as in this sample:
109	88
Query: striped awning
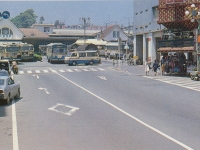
176	49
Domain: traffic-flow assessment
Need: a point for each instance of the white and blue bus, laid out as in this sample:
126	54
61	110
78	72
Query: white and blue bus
88	57
27	51
56	52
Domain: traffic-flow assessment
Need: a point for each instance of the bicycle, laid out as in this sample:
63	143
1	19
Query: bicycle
130	62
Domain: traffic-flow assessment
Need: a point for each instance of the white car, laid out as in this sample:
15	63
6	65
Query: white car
8	89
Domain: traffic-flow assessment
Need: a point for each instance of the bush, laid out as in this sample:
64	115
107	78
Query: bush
37	57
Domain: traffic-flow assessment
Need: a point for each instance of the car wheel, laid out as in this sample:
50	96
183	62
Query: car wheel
18	95
74	63
91	62
8	100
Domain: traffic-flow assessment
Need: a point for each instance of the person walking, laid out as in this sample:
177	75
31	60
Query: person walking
155	67
163	65
146	64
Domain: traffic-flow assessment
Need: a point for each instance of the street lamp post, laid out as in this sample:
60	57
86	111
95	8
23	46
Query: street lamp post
86	21
126	47
192	12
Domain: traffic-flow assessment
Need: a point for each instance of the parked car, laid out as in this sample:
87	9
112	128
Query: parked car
4	73
8	89
5	65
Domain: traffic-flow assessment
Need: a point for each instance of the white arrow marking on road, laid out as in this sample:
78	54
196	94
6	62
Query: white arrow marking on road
69	113
36	76
102	77
44	90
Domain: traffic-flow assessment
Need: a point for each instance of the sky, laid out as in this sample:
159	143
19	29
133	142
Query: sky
100	12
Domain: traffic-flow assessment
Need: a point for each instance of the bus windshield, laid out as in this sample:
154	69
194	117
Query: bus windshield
59	50
30	48
12	49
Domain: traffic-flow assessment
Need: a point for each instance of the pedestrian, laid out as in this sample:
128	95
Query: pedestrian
163	65
146	64
155	67
106	55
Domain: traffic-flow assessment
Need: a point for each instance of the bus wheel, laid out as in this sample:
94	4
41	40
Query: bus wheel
91	62
74	63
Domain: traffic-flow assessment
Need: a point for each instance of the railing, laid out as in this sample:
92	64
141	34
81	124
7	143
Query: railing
176	43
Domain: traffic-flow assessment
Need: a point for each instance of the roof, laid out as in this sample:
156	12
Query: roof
71	32
32	32
87	47
176	49
91	41
104	33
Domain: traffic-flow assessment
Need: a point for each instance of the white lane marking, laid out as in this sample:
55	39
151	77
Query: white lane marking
37	71
85	69
69	113
46	71
78	70
102	77
44	90
36	76
181	84
101	69
21	72
29	71
61	70
14	127
93	69
129	115
69	70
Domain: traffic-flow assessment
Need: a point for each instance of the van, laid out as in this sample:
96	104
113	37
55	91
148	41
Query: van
82	57
5	65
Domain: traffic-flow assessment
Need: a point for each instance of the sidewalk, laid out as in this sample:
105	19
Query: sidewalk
138	70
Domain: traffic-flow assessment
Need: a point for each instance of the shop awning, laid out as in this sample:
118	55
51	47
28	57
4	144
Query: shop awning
176	49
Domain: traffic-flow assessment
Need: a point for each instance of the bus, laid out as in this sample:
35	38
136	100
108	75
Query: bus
27	51
56	52
88	57
10	51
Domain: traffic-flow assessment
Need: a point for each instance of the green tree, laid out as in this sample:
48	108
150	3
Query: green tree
25	19
41	20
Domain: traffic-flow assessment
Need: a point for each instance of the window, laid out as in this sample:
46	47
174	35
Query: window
155	12
74	55
46	29
114	34
118	34
82	54
91	54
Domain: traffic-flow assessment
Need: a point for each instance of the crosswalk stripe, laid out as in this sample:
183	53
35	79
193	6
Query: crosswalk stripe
77	70
29	71
93	69
46	71
21	72
178	81
101	69
61	70
69	70
37	71
85	69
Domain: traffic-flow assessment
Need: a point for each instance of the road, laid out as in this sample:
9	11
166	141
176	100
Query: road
100	107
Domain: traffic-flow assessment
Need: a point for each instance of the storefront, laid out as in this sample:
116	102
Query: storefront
178	60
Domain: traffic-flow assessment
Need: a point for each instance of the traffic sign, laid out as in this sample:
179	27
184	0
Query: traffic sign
5	14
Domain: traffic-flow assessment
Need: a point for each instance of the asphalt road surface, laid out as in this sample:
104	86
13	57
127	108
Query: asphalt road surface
100	107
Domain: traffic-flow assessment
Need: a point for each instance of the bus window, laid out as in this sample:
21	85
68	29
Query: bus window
74	55
91	54
82	54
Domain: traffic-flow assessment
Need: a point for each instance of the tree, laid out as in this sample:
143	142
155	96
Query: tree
56	23
41	20
25	19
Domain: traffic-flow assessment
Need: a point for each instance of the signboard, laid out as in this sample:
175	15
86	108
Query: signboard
5	14
135	57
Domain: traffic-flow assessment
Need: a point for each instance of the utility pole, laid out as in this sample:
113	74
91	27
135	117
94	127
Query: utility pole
86	22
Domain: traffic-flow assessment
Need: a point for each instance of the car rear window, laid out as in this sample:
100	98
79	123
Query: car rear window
1	81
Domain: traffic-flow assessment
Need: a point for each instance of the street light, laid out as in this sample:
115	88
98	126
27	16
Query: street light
192	12
86	21
126	47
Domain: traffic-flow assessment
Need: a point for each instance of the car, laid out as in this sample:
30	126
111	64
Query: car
8	89
5	65
4	73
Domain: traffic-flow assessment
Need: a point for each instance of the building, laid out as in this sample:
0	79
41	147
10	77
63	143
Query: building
146	31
